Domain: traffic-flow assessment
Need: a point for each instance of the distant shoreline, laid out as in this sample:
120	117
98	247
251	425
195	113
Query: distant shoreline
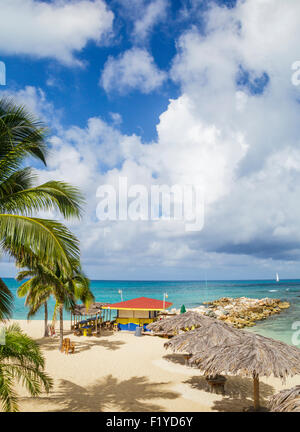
185	280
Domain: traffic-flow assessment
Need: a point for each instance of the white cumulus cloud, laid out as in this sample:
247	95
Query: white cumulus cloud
153	14
133	69
52	30
143	16
242	147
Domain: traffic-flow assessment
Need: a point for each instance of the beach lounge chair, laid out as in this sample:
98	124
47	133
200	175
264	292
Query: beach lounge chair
68	346
63	345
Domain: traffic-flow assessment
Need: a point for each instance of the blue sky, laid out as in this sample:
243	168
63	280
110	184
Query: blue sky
76	91
167	92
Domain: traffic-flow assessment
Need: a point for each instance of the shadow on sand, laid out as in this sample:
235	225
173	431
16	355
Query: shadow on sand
177	359
238	393
81	343
109	394
238	390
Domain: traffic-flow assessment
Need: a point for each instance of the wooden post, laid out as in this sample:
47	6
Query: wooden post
256	392
61	326
46	334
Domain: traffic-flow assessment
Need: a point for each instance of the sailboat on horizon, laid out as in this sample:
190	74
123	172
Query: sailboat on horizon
277	277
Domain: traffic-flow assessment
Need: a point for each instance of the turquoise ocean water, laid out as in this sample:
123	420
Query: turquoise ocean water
192	294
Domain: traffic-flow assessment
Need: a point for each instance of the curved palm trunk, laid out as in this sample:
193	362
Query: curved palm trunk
256	392
46	333
61	326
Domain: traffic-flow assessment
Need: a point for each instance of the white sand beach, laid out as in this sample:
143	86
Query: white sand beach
122	372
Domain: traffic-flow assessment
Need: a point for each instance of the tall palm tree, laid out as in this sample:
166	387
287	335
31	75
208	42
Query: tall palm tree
21	361
73	287
23	235
48	281
22	136
38	292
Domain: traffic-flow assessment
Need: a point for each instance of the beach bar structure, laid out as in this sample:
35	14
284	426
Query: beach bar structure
93	313
138	312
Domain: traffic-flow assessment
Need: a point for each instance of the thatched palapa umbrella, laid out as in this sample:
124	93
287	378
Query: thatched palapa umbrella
286	400
194	341
253	355
213	333
93	309
185	321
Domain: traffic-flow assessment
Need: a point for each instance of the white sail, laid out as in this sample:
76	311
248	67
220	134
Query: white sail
277	277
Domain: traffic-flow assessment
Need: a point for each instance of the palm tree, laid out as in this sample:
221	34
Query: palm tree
73	287
21	361
22	136
46	282
38	292
23	235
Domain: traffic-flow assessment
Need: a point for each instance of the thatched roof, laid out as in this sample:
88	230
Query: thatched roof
251	355
286	400
195	341
93	309
176	323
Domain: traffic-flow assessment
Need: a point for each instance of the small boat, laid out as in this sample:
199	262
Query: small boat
277	277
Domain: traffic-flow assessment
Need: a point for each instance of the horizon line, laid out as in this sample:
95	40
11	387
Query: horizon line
180	280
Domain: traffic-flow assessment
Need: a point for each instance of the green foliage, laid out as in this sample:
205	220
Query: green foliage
6	301
46	281
21	361
20	198
31	240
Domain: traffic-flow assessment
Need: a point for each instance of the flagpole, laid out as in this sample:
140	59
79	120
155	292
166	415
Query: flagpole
164	302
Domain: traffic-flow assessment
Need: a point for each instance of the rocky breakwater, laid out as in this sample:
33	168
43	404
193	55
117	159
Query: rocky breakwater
243	312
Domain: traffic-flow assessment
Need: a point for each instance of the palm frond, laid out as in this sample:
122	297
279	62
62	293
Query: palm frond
81	289
21	360
6	301
24	274
16	182
47	239
8	396
52	195
21	135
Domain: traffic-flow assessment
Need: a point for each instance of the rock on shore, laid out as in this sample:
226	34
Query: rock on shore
242	312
